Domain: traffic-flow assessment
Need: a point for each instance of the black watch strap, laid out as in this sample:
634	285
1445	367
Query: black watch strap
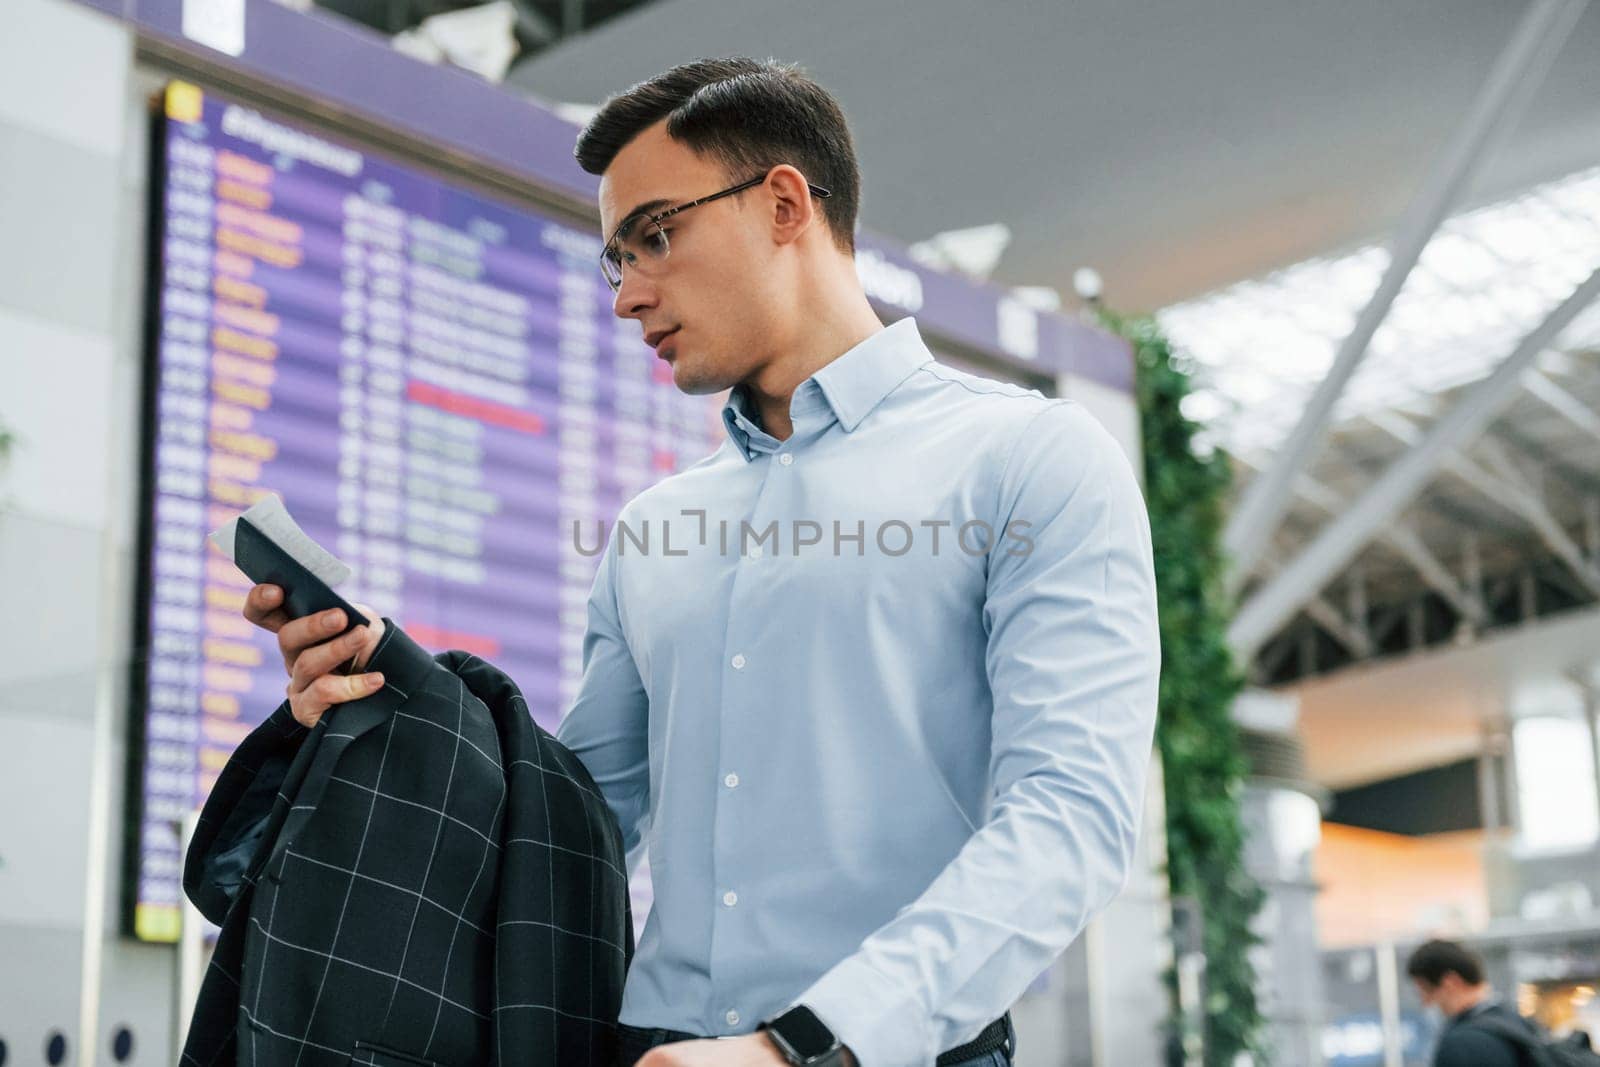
803	1039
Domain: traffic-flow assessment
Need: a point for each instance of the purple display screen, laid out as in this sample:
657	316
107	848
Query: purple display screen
434	383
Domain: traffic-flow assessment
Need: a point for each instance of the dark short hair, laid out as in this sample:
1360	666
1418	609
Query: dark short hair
1432	961
749	115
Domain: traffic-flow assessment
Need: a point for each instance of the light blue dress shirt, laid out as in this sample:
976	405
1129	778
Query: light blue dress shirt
878	699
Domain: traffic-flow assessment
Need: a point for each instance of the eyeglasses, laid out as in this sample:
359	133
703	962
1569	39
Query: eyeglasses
642	244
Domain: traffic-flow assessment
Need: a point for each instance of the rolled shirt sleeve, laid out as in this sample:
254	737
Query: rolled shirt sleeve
1073	659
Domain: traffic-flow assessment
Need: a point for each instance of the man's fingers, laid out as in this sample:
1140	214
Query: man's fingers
338	688
318	660
263	606
371	634
301	634
309	705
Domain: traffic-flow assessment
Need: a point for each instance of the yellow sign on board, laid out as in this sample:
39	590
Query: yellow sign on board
184	102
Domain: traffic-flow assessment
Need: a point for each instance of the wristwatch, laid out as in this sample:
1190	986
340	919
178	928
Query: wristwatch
803	1039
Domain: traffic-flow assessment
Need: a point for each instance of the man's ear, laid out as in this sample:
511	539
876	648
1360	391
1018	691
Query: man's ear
793	209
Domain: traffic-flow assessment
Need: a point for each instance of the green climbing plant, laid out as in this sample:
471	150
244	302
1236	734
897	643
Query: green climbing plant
1203	765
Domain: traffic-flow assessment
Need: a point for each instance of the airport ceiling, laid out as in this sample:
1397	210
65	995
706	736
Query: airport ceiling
1174	147
1242	165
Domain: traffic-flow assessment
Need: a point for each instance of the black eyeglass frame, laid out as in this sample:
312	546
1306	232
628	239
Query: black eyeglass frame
655	219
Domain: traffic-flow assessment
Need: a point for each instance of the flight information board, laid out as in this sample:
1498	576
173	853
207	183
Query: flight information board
432	380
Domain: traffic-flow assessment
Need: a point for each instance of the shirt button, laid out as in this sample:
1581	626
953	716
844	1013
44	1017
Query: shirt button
754	553
732	1017
738	662
731	781
786	459
730	898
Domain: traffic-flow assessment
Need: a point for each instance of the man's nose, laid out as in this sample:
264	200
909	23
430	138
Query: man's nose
634	296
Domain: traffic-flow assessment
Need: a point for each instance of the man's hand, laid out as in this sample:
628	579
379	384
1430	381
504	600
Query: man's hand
751	1050
310	657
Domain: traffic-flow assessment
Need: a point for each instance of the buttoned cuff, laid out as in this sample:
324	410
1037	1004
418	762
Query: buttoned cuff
879	1020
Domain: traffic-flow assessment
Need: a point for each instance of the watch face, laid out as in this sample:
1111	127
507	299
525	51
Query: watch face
804	1032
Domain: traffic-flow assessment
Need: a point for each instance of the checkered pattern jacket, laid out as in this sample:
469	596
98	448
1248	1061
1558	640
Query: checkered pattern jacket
426	877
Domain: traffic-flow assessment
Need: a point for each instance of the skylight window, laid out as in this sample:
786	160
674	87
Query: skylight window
1487	278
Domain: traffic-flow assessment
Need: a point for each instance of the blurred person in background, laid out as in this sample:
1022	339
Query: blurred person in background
1450	979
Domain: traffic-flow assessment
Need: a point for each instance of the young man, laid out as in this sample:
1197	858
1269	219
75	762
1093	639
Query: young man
1450	978
875	683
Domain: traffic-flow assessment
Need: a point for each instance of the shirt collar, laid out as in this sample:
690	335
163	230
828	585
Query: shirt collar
852	385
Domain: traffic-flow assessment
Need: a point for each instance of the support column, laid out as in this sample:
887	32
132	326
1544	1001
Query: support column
1282	817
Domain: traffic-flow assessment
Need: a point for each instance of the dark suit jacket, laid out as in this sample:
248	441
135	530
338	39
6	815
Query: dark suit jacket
426	877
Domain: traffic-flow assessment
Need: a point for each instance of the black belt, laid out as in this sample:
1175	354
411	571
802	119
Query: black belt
996	1035
634	1042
